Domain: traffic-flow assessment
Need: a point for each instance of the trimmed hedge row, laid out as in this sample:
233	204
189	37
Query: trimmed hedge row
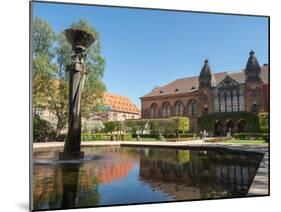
219	139
173	125
184	135
254	136
105	137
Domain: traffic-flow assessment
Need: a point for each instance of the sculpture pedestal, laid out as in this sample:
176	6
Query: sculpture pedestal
71	155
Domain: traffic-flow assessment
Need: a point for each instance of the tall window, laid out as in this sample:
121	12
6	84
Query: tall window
191	107
229	100
153	110
114	117
166	110
219	100
179	108
254	107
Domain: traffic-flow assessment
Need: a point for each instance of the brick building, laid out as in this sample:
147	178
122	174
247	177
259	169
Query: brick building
114	107
117	108
231	93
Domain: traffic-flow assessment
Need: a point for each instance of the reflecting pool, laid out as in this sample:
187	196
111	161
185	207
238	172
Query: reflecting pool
124	175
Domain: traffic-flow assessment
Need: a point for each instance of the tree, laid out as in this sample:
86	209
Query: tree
51	55
180	125
43	68
42	38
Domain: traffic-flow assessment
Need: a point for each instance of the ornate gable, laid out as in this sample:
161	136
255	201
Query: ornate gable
228	83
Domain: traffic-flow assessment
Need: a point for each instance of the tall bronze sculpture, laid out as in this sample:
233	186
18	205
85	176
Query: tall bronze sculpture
80	41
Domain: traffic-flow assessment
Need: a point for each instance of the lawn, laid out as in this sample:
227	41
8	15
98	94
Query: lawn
245	141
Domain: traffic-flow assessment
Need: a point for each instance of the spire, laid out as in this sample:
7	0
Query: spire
206	78
253	69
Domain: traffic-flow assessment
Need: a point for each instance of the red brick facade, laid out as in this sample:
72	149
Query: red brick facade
245	90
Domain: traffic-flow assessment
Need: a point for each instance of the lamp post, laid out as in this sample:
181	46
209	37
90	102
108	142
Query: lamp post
80	41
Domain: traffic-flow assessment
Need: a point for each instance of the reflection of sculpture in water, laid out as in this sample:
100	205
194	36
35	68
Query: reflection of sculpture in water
70	177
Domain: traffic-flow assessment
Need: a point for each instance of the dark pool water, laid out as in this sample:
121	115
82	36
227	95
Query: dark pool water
126	175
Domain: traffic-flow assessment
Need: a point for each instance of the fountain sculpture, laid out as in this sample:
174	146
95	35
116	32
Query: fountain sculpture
80	41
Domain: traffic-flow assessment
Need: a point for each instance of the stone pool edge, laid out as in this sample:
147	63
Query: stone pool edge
259	185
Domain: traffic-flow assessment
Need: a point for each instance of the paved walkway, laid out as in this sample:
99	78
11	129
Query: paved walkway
259	185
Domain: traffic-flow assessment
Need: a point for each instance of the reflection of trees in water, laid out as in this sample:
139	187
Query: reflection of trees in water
212	173
76	185
63	186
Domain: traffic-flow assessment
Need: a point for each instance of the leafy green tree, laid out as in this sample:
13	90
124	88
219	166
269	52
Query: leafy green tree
43	68
42	38
180	125
51	55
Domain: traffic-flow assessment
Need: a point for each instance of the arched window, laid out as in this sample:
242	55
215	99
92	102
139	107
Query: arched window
179	108
254	107
241	125
153	110
166	110
206	109
191	107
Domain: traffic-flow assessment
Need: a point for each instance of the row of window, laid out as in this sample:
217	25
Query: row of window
229	104
124	117
178	109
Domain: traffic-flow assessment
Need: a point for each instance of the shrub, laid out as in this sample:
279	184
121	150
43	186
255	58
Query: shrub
112	126
263	122
42	130
61	137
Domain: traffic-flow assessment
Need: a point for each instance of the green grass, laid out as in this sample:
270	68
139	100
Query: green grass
245	142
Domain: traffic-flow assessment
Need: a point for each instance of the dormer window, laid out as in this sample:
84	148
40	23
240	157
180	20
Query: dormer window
176	90
161	92
192	88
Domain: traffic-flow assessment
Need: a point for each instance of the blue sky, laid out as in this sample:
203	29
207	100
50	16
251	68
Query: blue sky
145	48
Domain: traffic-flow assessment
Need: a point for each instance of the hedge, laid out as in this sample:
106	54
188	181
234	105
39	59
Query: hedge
177	125
168	137
105	137
219	139
254	136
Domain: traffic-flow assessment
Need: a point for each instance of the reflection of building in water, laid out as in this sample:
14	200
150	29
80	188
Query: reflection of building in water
207	174
112	172
62	186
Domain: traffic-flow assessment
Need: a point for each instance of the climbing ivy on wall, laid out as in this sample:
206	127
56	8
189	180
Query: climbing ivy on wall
207	122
